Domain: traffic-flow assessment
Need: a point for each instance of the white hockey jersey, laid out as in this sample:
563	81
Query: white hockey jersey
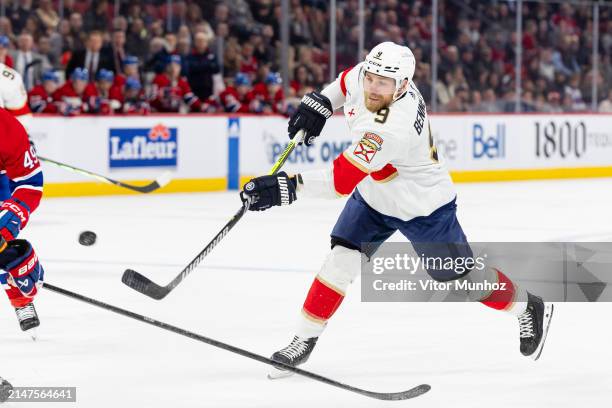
13	96
392	161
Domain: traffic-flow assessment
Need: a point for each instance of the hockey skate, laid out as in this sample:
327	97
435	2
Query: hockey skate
534	324
28	319
296	353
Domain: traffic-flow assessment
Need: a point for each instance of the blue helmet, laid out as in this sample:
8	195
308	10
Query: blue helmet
80	74
50	75
242	79
174	59
273	78
132	83
130	60
105	75
4	41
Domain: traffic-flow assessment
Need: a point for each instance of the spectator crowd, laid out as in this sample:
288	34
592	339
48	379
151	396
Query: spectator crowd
224	56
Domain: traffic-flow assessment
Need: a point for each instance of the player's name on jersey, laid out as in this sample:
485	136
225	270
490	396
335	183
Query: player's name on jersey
380	285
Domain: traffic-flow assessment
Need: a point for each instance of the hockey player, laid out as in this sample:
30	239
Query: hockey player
238	98
5	57
13	98
134	101
396	181
170	90
108	97
270	93
20	272
72	97
130	70
40	97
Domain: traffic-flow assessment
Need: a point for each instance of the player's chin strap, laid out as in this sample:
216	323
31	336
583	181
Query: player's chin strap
395	98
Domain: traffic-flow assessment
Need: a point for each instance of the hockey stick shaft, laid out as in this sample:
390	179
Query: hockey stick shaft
413	392
155	185
147	287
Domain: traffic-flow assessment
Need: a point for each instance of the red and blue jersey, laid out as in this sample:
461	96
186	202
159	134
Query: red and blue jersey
19	163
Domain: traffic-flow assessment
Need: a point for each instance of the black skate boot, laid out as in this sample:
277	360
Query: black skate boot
28	319
294	354
5	389
534	323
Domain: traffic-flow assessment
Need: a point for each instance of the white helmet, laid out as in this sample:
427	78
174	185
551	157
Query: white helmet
391	60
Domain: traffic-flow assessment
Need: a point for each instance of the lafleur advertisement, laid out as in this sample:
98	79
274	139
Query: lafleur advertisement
152	147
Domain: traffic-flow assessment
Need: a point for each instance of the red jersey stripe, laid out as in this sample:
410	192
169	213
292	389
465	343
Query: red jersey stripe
347	174
342	80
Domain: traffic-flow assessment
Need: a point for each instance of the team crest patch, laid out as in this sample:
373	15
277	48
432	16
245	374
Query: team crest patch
367	147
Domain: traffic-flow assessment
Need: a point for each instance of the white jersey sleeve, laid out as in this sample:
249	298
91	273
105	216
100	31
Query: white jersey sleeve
13	95
392	160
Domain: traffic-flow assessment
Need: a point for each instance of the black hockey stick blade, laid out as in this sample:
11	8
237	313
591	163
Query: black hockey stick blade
158	183
386	396
144	285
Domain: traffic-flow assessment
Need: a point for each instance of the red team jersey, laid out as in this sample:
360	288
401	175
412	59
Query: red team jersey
41	101
232	102
71	103
18	161
167	95
106	103
273	101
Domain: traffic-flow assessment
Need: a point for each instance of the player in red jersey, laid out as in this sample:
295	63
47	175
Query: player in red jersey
72	97
20	273
130	70
134	101
270	93
40	97
171	91
108	98
238	98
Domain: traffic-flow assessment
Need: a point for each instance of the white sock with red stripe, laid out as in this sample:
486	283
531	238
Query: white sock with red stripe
328	290
512	300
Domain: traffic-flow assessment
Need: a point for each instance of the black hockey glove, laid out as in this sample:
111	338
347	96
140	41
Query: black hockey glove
315	108
267	191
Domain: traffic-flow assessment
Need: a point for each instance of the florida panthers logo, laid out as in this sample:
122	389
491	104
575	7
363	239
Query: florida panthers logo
367	147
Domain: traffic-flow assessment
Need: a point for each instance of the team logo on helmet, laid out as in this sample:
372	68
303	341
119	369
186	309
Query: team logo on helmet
249	186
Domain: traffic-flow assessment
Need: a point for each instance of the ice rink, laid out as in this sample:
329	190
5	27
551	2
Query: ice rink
249	291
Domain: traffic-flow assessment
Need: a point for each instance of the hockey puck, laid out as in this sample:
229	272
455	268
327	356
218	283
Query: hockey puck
87	238
5	390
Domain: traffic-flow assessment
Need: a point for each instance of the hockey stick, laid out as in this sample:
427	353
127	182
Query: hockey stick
388	396
147	287
155	185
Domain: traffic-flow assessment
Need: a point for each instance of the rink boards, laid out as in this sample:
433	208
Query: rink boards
218	152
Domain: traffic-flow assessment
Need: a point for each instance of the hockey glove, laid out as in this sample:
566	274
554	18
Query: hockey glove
267	191
315	108
14	215
21	274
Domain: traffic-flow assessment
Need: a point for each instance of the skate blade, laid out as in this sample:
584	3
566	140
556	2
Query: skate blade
32	333
548	314
277	374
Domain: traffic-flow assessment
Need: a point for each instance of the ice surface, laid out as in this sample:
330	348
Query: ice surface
249	291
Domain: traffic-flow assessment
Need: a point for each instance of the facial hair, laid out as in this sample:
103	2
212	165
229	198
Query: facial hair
374	106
